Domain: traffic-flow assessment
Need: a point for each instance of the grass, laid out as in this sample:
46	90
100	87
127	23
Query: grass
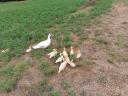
67	87
30	21
9	75
46	68
22	22
44	88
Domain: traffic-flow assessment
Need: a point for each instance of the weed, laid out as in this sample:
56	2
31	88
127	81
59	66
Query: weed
83	93
88	62
100	40
46	68
44	87
71	92
7	85
10	74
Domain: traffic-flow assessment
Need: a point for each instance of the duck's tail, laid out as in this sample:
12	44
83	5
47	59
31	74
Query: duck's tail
35	47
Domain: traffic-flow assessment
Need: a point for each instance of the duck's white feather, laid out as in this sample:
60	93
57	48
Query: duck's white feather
78	54
62	66
71	63
53	54
43	44
71	51
60	59
65	54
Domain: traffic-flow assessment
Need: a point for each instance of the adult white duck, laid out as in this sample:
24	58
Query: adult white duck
44	44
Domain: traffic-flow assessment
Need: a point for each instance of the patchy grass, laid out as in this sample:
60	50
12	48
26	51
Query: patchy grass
46	68
67	87
45	88
9	75
7	85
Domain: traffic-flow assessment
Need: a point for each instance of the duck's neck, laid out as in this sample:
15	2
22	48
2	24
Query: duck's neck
48	37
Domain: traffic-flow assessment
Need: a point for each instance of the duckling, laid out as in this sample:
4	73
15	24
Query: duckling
71	63
5	51
29	49
62	66
78	54
53	53
71	51
60	59
44	44
65	54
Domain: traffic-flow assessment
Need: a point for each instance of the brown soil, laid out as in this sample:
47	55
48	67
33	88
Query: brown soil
101	78
106	76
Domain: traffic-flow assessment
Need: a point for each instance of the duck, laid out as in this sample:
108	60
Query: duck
71	63
53	53
78	54
62	66
65	54
60	59
71	51
5	51
29	49
44	44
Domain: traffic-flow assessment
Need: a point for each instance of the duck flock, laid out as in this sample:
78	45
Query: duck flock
64	59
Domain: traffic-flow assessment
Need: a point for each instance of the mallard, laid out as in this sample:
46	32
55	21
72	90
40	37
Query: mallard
53	53
78	54
60	59
44	44
62	66
71	51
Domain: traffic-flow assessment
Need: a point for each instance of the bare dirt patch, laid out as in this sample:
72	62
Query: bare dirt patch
107	39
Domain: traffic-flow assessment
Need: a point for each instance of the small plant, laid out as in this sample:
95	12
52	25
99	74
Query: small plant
83	93
88	62
46	68
100	40
44	87
7	85
71	92
10	74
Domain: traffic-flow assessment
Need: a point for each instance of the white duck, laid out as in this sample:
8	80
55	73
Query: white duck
44	44
29	49
71	51
60	59
62	66
71	63
65	54
78	54
53	53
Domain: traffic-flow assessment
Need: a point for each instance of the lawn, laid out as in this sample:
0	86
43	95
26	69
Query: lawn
22	22
28	22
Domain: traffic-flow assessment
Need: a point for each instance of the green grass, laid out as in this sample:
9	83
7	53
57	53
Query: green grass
22	22
46	68
67	87
44	88
9	75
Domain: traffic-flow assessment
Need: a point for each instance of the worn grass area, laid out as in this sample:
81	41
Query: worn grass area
46	68
47	89
9	74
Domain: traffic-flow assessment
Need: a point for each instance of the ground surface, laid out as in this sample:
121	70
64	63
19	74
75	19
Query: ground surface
105	56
